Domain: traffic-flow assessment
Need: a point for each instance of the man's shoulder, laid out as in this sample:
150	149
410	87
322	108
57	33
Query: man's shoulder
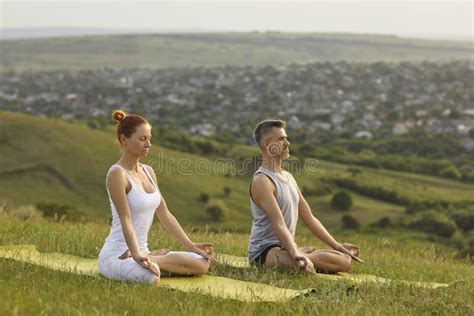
289	176
261	179
262	184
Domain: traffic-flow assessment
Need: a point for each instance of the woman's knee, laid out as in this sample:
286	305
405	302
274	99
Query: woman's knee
200	266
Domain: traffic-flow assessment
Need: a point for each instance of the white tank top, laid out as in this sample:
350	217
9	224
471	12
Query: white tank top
142	208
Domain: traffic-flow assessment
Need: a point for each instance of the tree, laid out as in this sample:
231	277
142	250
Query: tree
204	197
434	223
471	133
464	219
217	210
348	221
341	201
384	222
450	172
227	191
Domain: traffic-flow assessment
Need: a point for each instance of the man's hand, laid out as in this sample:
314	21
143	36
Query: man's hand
349	249
352	248
303	262
203	249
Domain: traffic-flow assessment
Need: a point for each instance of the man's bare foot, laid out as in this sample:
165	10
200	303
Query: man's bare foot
307	249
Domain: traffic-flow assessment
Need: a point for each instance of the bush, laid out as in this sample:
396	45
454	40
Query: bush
450	172
93	123
26	212
384	222
341	201
417	206
434	223
4	207
468	249
59	211
354	171
464	219
227	191
204	197
217	210
348	221
375	192
321	187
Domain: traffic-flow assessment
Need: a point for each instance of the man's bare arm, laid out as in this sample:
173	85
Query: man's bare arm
317	228
263	194
314	225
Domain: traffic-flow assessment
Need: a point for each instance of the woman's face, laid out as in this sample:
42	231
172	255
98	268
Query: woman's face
139	143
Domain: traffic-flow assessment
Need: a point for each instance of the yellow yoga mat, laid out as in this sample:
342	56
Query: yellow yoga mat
214	286
242	262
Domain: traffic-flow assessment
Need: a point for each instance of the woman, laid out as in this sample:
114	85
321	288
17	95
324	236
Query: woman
134	198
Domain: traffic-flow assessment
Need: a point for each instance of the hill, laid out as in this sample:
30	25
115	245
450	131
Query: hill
64	162
218	49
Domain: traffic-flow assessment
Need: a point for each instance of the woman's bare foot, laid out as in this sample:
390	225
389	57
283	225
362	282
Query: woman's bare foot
159	252
125	255
154	268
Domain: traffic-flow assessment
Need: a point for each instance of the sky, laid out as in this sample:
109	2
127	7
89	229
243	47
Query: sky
443	19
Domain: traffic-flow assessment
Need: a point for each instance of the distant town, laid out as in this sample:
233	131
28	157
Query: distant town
356	100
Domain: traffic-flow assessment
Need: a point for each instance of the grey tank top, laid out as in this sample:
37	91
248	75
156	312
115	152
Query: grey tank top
262	234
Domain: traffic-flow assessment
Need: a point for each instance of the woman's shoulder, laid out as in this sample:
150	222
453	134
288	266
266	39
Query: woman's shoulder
149	169
115	171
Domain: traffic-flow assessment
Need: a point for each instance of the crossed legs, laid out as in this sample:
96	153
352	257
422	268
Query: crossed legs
325	261
181	264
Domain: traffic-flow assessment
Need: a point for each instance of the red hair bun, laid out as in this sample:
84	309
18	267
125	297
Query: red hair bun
118	115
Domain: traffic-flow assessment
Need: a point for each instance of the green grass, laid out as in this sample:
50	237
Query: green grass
27	289
218	49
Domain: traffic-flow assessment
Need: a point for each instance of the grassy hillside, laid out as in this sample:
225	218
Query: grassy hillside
27	289
45	159
56	161
218	49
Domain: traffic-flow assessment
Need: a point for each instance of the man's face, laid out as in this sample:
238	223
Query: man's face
277	144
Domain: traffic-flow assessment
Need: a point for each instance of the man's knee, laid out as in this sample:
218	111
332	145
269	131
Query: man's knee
346	262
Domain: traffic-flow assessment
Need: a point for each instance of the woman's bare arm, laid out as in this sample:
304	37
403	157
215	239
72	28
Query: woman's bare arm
117	185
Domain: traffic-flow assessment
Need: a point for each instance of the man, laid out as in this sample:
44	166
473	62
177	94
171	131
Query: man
276	203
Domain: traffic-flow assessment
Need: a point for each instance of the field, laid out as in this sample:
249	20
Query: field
56	161
27	289
218	49
63	162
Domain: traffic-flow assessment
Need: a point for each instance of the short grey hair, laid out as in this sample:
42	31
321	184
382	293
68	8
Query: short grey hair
265	127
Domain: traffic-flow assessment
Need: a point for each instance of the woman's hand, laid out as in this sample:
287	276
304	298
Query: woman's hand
203	249
349	249
143	260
